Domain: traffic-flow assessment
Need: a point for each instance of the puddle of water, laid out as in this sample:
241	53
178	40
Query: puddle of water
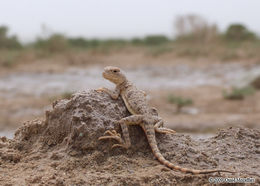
146	77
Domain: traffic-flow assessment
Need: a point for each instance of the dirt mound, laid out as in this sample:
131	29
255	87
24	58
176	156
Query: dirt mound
64	150
74	124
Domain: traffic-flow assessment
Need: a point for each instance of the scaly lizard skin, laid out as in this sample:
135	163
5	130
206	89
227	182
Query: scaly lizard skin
142	115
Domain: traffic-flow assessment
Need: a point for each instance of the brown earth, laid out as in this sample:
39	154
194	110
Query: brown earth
63	149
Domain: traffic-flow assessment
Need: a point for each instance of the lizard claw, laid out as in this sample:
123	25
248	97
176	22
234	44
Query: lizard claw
120	145
112	134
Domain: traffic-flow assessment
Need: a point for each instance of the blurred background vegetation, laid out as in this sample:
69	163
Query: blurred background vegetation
194	38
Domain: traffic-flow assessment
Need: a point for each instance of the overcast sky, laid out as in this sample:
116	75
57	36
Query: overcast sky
120	18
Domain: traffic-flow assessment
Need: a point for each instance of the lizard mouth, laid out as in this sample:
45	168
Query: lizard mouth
104	74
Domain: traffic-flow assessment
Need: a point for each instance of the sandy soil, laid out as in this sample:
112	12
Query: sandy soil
63	149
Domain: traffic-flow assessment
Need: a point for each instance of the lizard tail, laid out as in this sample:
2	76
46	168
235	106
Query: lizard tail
152	142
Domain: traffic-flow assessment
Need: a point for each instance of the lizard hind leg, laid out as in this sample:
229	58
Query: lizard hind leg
112	134
158	128
131	120
164	130
126	143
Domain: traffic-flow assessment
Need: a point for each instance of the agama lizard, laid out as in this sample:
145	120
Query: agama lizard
142	115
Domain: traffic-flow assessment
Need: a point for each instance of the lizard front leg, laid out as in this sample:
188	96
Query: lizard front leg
113	94
126	143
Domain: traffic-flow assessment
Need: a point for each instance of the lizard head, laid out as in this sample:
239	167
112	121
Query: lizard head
114	75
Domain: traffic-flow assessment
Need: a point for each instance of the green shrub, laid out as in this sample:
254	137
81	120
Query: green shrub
151	40
238	93
8	42
55	43
180	102
137	41
115	42
79	42
95	43
238	32
155	40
